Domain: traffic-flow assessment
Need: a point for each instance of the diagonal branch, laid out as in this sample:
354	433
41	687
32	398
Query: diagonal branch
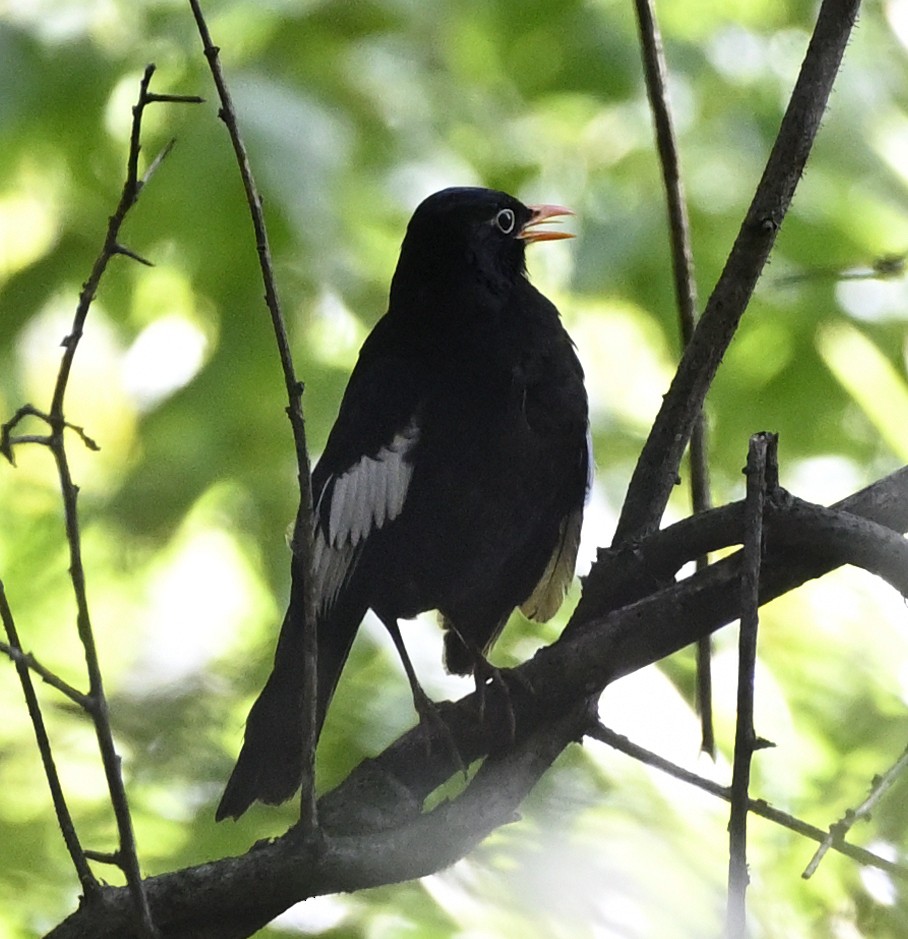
87	880
837	832
657	468
755	806
14	653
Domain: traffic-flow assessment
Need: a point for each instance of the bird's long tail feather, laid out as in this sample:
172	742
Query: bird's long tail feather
269	767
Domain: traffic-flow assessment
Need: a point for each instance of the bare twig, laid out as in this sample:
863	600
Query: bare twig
884	267
132	187
837	832
8	442
755	806
16	655
302	535
657	468
655	73
760	455
95	702
105	857
89	885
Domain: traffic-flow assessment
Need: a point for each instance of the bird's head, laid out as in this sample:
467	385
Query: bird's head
467	233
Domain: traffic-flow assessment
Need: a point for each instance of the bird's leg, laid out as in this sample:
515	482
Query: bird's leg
426	708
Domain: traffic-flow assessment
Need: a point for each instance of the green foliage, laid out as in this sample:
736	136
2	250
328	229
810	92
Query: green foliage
353	112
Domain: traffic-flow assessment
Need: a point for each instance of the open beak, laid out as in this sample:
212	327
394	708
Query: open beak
544	213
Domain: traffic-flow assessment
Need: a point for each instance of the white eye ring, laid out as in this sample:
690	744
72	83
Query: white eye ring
505	221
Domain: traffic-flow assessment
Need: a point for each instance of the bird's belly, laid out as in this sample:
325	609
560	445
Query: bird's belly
475	534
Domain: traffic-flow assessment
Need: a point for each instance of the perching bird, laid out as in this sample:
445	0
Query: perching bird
455	475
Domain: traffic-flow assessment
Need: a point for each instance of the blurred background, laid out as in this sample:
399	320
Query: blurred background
353	112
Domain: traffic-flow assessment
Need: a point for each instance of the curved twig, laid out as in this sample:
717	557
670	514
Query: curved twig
302	533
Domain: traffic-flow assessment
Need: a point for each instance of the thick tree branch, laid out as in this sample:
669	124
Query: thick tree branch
372	824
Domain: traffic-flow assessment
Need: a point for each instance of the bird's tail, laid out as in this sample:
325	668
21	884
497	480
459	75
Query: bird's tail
270	765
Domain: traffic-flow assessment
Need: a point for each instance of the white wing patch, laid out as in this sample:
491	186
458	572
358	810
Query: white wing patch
371	492
367	496
331	567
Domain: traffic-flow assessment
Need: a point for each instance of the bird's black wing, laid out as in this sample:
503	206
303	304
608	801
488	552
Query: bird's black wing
360	483
359	487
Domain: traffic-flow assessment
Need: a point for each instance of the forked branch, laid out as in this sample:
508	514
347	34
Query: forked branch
94	702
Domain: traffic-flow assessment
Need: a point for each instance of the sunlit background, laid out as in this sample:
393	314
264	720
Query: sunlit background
353	112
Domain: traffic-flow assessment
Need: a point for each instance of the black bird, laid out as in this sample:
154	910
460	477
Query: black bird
455	475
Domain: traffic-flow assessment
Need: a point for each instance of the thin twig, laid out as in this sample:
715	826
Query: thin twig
884	267
16	655
89	884
8	442
657	469
302	535
105	857
838	831
127	853
168	147
655	72
759	455
755	806
153	96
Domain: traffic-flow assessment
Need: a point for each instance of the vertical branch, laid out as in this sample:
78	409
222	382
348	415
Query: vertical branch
760	456
95	701
655	73
127	855
302	535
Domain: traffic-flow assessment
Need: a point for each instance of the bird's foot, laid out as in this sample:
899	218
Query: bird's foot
435	728
491	680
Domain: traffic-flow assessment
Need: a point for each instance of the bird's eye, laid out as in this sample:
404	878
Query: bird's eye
505	221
